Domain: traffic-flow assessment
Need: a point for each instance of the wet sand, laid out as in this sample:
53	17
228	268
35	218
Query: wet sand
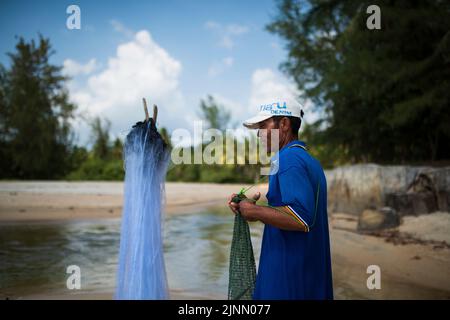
40	200
415	268
174	294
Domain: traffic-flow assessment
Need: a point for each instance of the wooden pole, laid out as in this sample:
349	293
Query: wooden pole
155	113
145	109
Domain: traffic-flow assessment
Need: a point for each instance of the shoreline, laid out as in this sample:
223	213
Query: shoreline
46	201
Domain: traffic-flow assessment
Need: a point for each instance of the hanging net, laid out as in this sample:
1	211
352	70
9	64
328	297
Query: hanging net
141	272
242	273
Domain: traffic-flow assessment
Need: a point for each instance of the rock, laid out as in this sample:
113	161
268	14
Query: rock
374	220
408	189
421	196
414	203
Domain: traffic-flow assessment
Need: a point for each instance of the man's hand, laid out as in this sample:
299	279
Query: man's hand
248	210
233	205
246	207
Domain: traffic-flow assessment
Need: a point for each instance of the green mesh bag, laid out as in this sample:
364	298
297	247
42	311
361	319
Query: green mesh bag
242	273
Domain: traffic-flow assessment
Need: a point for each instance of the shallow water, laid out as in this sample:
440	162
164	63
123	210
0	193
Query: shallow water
34	257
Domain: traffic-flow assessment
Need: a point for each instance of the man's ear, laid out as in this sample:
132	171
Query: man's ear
285	124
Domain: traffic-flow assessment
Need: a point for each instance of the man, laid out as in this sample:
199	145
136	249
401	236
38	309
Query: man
295	258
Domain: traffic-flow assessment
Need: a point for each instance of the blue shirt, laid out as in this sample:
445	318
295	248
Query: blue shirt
296	264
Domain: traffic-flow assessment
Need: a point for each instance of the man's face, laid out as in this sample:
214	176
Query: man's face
266	131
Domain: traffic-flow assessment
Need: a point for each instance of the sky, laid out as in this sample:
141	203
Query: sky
173	53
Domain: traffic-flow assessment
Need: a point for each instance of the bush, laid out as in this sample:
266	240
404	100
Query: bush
97	169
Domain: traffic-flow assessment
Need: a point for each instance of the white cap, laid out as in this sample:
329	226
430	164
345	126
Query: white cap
267	111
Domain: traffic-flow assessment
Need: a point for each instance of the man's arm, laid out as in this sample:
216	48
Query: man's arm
276	217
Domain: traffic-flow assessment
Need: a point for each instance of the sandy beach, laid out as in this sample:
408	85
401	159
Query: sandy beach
41	200
413	259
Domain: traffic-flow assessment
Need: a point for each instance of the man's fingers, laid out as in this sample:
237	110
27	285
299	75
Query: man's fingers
231	197
256	196
233	207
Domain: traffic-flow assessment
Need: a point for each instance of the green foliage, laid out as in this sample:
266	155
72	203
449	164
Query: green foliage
165	135
104	161
384	93
98	169
218	173
100	136
35	134
316	140
217	117
214	114
223	174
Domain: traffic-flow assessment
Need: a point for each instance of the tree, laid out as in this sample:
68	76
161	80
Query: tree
104	161
117	149
166	137
385	93
214	114
35	133
100	137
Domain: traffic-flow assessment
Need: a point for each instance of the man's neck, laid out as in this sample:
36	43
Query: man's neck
287	141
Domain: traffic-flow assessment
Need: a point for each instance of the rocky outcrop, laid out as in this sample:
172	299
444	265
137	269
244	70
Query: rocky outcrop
407	189
374	220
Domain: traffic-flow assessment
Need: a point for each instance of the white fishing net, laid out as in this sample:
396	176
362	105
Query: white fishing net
141	272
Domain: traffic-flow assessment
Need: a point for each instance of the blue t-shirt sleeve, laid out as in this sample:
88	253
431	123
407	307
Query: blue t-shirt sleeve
297	193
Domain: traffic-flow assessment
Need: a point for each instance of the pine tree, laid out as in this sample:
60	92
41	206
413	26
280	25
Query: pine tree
35	133
385	93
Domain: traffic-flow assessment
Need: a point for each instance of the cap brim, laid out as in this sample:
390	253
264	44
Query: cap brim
253	123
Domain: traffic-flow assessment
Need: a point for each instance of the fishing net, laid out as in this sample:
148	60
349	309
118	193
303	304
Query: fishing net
242	273
141	271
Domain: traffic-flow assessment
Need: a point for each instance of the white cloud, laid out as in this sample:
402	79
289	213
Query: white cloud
73	68
236	29
119	27
140	68
219	67
228	61
235	107
268	87
226	33
211	25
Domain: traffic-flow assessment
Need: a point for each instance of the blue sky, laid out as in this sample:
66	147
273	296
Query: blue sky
172	52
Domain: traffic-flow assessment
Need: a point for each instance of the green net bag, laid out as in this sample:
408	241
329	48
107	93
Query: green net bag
242	273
